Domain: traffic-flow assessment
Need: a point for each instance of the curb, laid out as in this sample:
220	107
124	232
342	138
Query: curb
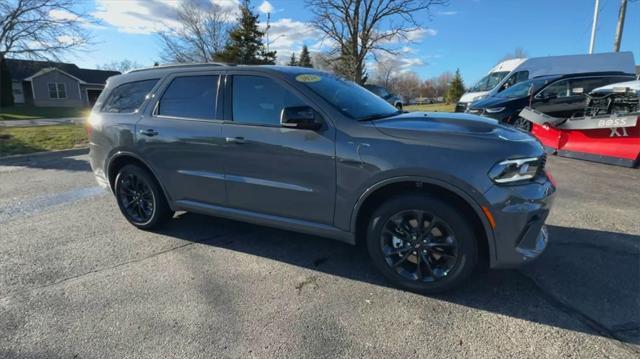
70	152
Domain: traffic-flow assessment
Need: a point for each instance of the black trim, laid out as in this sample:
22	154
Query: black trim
616	161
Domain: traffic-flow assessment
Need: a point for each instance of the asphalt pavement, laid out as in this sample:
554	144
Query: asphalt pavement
77	281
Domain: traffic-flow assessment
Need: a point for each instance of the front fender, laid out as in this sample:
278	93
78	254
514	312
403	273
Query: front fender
472	197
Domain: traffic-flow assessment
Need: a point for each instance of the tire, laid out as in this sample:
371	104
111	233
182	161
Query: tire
399	106
522	124
135	186
450	248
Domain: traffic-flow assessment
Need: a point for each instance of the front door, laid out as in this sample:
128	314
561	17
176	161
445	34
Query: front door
182	138
271	169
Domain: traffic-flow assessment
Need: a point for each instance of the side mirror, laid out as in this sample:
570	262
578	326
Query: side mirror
300	117
547	97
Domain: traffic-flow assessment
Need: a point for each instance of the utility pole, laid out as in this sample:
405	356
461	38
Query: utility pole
593	26
621	15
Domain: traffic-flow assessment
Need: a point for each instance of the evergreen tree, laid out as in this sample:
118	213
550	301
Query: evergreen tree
293	61
6	90
305	58
456	89
245	44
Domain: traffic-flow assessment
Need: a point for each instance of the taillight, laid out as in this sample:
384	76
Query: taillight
88	127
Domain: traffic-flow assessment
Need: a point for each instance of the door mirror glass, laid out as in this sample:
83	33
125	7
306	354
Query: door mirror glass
300	117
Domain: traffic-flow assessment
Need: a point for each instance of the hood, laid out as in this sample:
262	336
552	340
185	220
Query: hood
473	96
491	102
631	85
416	125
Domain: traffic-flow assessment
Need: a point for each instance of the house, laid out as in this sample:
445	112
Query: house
57	84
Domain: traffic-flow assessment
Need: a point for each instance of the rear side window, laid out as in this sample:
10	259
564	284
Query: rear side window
190	97
128	97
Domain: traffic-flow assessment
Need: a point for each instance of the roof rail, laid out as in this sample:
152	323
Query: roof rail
194	64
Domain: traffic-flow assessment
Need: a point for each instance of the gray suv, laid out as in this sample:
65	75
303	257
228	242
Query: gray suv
428	194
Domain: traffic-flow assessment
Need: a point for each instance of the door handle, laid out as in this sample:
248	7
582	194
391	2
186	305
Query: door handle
236	140
149	132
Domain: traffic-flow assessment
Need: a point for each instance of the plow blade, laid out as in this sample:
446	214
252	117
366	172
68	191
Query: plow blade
612	139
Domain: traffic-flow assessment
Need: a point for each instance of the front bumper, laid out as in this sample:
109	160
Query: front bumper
461	107
520	212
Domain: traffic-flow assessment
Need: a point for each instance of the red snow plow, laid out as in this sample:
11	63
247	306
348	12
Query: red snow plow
607	138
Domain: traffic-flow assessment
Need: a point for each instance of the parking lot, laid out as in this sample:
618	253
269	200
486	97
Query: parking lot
77	281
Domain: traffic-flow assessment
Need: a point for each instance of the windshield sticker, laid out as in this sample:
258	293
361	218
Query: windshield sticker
307	78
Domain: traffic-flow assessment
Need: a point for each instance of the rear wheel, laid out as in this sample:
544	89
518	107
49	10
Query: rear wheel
422	243
140	198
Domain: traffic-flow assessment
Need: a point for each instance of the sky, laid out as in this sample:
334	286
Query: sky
471	35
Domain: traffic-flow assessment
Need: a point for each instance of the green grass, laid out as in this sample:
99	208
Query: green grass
434	107
30	113
20	140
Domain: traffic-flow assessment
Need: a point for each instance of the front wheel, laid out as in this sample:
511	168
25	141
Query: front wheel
399	106
522	124
140	198
422	243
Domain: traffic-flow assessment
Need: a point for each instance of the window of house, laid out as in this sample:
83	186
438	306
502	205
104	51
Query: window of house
127	98
260	100
57	90
190	97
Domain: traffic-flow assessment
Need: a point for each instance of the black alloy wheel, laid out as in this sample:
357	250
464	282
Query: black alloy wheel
419	246
422	243
140	198
522	124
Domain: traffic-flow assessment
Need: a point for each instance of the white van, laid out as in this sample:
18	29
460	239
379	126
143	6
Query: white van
488	83
524	69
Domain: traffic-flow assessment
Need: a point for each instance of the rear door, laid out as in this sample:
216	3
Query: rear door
568	95
182	140
271	169
557	99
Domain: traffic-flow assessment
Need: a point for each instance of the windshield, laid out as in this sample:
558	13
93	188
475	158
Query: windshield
523	89
489	82
350	99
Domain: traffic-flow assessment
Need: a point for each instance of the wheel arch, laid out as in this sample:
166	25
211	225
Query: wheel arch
122	158
382	190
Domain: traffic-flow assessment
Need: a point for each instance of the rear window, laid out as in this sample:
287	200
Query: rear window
128	97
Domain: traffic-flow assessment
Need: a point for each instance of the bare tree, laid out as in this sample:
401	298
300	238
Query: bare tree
203	32
358	28
121	66
385	71
518	53
41	29
407	84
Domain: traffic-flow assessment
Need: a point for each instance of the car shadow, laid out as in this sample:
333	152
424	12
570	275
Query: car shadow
592	277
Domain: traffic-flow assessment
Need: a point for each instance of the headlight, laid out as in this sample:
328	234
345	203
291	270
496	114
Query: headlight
495	110
516	170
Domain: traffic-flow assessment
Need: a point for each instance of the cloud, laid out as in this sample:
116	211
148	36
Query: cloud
447	13
149	16
287	36
266	7
419	34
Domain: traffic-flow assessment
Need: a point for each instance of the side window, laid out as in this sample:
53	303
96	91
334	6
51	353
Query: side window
586	85
128	97
522	76
515	78
191	97
260	100
557	89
